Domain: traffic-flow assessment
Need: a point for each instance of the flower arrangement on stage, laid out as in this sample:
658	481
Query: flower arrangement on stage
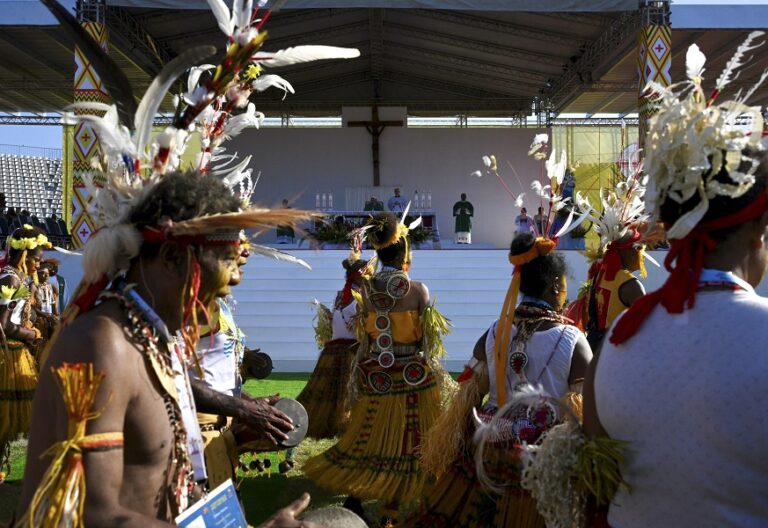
338	231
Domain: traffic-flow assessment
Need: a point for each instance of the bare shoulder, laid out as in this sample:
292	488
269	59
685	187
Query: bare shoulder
420	289
11	281
97	337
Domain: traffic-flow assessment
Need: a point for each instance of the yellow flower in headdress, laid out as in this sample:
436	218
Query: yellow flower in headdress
252	72
30	242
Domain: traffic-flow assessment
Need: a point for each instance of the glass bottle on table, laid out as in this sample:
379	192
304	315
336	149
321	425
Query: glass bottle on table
325	201
330	201
429	200
423	201
415	202
317	200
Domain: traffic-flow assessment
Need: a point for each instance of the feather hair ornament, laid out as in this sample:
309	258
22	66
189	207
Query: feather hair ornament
697	149
691	138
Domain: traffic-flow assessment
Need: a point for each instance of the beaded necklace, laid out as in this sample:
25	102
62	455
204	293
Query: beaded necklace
529	318
148	335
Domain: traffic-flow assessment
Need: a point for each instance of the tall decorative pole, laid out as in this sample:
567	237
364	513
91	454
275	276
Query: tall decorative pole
85	142
654	57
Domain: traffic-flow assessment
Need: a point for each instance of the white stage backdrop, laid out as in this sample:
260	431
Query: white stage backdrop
298	163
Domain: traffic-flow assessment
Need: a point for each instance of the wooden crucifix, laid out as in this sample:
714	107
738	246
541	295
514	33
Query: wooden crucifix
375	128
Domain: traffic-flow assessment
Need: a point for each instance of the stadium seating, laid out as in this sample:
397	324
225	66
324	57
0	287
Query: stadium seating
31	183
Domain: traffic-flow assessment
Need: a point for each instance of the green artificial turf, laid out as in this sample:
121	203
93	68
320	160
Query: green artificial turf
262	494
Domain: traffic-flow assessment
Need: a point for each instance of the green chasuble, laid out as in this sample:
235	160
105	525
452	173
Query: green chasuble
463	211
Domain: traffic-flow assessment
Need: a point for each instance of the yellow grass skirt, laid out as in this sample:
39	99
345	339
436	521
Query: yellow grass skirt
458	499
221	456
377	457
325	394
18	379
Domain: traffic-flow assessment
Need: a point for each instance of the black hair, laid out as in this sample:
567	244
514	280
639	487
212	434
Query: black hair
182	196
351	266
18	234
721	206
540	273
384	229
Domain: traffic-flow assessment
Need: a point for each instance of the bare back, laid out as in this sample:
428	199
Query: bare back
128	486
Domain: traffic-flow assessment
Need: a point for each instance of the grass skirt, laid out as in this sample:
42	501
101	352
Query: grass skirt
459	500
377	457
18	379
325	394
221	456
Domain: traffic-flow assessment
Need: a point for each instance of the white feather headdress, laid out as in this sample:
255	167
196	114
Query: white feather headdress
691	139
132	163
623	209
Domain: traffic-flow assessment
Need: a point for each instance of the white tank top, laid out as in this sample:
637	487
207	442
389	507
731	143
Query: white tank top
342	322
220	355
689	392
549	359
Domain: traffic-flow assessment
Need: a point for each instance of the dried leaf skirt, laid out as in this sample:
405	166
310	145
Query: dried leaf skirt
18	379
325	394
377	457
459	500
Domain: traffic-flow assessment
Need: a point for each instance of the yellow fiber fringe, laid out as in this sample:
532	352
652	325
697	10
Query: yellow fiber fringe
60	496
459	500
323	325
18	379
325	395
377	456
434	326
446	441
517	510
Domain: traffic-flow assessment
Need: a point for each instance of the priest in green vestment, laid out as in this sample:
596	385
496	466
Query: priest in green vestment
463	211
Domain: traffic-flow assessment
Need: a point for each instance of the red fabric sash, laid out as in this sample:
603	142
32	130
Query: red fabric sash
346	296
684	262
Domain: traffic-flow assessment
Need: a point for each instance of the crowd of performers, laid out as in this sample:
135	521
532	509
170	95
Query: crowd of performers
622	409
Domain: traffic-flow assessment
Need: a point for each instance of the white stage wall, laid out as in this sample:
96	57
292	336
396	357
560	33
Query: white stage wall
296	163
274	299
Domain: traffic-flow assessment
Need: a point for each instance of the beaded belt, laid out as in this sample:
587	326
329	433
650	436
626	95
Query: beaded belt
400	351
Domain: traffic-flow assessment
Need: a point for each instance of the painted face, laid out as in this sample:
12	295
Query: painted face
34	258
219	271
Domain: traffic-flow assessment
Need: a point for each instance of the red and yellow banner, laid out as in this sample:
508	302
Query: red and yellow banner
81	143
654	61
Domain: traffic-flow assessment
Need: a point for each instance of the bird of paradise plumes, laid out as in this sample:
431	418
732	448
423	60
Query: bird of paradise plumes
492	167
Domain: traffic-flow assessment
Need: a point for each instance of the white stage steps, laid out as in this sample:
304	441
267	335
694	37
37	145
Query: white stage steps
274	300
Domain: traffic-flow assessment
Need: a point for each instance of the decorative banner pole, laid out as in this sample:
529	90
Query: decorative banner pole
84	142
654	57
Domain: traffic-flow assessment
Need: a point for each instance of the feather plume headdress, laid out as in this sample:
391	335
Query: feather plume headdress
695	149
400	233
691	138
623	210
550	191
132	163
